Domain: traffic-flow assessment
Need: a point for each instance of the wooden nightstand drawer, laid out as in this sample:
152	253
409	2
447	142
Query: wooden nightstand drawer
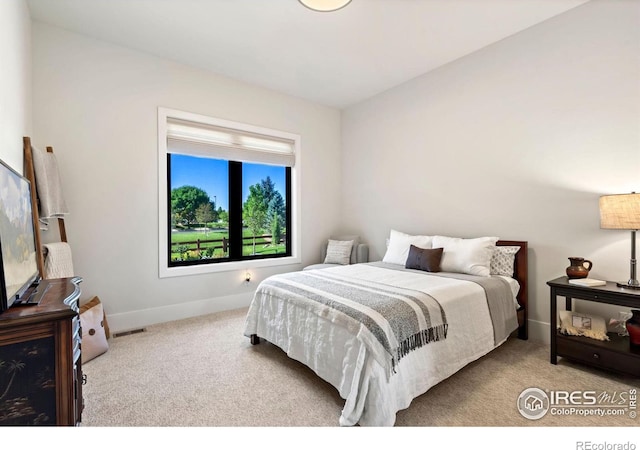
600	354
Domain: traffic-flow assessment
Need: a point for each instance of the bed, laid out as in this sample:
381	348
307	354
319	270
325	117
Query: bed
382	334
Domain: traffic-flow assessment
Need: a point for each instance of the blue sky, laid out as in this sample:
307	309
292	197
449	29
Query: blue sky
211	175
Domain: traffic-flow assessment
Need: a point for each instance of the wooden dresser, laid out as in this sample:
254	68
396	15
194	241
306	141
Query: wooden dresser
40	363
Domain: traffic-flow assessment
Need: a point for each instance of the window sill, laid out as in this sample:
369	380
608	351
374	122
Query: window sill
167	272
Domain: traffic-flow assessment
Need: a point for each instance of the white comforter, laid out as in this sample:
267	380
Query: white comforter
372	398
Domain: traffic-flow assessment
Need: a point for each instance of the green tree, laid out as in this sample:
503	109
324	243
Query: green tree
254	212
205	213
185	201
276	208
276	231
268	189
223	215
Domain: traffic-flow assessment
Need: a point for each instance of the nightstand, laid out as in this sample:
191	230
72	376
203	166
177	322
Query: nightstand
617	354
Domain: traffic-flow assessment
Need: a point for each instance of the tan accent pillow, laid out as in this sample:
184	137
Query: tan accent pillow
93	302
581	324
94	336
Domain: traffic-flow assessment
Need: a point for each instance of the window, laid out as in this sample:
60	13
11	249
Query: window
227	195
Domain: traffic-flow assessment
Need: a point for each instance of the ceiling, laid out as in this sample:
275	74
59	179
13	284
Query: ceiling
335	59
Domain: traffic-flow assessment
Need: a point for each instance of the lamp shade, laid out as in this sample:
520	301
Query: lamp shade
620	212
325	5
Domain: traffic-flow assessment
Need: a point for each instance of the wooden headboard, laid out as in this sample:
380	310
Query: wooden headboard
521	271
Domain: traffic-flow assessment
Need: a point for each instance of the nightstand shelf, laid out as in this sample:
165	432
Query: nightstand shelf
617	354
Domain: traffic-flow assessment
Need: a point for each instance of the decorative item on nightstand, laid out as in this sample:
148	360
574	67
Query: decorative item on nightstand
581	324
622	212
619	325
633	327
579	267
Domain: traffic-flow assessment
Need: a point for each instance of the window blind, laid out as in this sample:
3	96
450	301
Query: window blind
198	139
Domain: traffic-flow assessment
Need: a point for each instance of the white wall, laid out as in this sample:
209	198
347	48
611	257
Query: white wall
517	140
96	104
15	80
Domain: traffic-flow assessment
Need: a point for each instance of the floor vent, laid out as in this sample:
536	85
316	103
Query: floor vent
127	333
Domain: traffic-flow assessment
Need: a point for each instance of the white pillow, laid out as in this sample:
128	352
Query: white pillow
471	256
399	244
338	252
503	260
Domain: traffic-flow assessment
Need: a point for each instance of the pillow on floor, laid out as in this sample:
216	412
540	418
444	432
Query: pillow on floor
94	337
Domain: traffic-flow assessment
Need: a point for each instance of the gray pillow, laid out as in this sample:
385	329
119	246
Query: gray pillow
354	249
427	259
338	252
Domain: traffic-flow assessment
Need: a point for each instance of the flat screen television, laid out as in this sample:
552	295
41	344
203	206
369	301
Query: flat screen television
18	264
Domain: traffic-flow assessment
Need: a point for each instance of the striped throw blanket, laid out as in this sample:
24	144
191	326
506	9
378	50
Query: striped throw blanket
391	320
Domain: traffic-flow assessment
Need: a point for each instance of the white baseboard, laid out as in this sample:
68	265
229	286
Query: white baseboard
539	331
141	318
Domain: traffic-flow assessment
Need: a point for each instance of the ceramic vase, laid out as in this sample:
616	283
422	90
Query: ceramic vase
633	327
579	267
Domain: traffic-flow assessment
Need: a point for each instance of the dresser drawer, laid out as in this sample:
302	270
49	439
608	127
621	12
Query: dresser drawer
596	355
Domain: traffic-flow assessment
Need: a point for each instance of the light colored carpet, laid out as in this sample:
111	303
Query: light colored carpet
202	372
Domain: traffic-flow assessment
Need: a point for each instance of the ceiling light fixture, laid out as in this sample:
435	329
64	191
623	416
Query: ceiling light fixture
325	5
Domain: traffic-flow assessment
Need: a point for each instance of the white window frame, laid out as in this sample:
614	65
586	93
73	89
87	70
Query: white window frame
164	270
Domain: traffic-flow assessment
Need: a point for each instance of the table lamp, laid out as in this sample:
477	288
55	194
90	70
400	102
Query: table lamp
622	212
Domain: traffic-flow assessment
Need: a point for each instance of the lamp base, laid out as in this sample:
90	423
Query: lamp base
631	284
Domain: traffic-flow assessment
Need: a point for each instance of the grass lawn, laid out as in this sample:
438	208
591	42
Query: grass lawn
186	236
263	246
